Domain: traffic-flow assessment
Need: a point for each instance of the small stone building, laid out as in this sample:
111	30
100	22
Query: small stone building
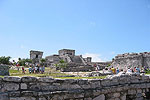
36	56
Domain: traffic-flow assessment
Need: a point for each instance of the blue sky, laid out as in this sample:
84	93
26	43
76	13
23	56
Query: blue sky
97	28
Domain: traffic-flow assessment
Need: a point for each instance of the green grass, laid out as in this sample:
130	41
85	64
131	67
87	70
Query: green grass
51	73
1	76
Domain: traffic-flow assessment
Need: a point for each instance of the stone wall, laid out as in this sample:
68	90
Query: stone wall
4	70
132	60
124	87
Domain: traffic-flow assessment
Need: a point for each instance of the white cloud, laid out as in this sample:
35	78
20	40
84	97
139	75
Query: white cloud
95	57
16	59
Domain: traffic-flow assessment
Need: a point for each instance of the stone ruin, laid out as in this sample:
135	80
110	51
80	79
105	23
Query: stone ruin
74	62
36	56
123	87
123	61
4	70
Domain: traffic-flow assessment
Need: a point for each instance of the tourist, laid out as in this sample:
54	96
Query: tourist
23	70
137	70
129	71
117	71
134	69
36	69
113	70
43	69
40	69
30	70
109	70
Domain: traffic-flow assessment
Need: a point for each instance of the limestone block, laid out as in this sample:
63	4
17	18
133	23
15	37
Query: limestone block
105	82
132	91
81	95
69	86
42	98
23	86
57	97
85	86
117	99
139	91
46	79
12	79
123	97
11	86
14	94
28	79
22	98
82	81
116	95
96	84
29	93
71	81
100	97
87	98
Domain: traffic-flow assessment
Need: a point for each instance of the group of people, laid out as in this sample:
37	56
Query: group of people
136	70
34	69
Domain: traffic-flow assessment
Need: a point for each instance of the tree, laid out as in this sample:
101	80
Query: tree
43	61
22	62
62	64
4	60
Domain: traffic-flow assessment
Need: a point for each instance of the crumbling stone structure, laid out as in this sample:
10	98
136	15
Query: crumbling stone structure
36	56
74	62
124	87
132	60
4	70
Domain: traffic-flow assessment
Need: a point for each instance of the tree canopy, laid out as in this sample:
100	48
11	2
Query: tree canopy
4	60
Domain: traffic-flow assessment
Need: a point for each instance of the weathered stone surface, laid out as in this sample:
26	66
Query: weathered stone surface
131	91
116	95
23	86
61	89
12	79
123	97
22	98
11	86
100	97
28	79
46	79
4	70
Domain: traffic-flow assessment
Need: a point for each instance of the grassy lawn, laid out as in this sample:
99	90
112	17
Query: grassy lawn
51	73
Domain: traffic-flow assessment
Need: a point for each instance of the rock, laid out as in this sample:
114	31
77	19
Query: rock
23	86
12	79
11	86
28	79
100	97
131	92
123	97
116	95
46	79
